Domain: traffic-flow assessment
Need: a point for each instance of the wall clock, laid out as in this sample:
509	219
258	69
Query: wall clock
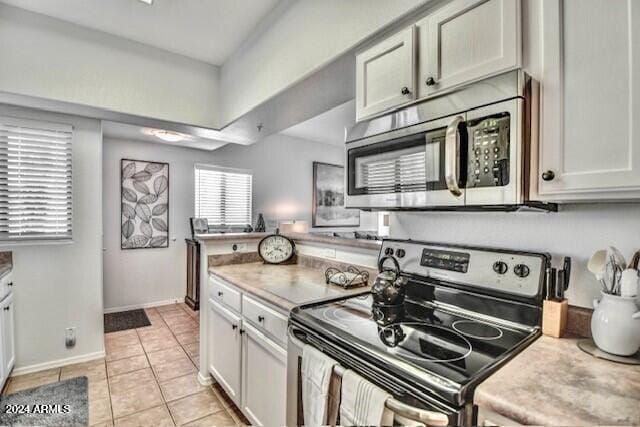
276	249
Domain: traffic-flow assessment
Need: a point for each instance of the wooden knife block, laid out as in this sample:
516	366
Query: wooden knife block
554	317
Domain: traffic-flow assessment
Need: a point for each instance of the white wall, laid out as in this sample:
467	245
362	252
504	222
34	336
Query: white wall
49	58
306	36
283	175
143	276
60	285
576	231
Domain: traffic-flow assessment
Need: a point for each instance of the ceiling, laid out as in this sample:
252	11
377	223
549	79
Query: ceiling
128	132
206	30
328	127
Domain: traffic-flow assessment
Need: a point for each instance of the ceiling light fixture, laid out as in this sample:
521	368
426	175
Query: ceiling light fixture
149	2
166	135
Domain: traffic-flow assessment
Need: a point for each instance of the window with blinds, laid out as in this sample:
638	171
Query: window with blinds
35	180
223	195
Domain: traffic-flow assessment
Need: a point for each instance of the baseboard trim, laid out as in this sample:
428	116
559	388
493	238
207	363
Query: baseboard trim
58	363
145	305
205	381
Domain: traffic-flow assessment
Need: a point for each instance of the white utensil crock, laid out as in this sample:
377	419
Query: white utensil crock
615	325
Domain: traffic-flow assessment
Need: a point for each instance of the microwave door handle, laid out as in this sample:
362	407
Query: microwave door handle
452	154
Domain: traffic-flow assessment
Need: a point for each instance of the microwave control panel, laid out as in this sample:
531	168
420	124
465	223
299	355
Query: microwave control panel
488	151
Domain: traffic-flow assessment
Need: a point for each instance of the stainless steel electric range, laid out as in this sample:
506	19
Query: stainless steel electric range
467	311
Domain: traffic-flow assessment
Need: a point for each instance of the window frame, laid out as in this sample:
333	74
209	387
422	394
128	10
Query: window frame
41	239
222	169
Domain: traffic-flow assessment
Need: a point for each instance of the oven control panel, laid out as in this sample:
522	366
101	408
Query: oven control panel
514	272
445	260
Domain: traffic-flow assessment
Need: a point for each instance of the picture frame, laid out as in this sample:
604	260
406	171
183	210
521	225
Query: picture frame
144	204
329	197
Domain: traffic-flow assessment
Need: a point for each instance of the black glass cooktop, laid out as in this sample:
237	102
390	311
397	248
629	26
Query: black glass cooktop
418	337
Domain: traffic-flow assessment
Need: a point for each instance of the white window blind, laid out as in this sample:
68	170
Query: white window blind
35	180
223	195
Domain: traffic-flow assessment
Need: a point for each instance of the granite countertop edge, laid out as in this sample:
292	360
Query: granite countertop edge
296	237
270	297
276	300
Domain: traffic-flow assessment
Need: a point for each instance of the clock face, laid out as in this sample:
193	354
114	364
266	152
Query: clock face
275	249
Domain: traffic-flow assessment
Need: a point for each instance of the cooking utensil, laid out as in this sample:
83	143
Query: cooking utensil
617	264
564	275
629	283
550	273
388	288
596	265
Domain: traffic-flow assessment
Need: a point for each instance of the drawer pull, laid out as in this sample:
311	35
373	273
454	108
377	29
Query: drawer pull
242	331
10	284
234	327
260	318
220	293
7	308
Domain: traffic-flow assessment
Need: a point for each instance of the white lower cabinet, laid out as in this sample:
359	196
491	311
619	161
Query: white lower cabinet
8	335
246	354
264	374
225	344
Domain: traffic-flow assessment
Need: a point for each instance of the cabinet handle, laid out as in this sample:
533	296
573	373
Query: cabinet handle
220	294
431	81
7	308
260	318
242	331
548	175
234	327
10	284
405	91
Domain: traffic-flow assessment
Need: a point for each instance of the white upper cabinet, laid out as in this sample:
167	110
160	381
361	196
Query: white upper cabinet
591	100
385	74
468	40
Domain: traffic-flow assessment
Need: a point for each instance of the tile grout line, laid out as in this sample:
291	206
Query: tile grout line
146	355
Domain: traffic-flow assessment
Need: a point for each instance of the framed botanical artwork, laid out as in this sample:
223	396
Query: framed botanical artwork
144	204
328	198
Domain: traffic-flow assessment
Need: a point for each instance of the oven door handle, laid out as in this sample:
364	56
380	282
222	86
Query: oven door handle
292	337
452	155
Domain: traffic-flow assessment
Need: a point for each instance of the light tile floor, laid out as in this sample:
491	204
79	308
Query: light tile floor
148	378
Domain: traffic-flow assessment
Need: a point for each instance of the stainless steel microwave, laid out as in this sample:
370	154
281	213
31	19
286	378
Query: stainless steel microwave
472	148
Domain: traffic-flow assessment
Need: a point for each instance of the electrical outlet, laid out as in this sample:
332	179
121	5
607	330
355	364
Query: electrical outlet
70	337
329	253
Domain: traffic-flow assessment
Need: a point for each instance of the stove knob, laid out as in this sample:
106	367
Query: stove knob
500	267
400	253
388	251
521	270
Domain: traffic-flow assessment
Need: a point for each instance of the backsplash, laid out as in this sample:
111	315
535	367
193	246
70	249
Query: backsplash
576	230
6	258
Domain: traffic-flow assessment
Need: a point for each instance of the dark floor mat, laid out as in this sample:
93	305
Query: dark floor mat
125	320
65	403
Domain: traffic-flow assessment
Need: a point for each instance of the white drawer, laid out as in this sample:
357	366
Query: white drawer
264	318
225	294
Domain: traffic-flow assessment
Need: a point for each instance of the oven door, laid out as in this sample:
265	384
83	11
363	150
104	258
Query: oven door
424	410
497	155
411	167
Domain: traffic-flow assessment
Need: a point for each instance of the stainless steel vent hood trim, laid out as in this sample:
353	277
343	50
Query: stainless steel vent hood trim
499	88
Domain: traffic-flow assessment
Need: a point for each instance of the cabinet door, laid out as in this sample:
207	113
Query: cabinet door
225	344
591	100
385	74
468	40
8	335
264	373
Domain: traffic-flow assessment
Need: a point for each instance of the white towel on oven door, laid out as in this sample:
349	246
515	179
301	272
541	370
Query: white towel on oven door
363	404
316	377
